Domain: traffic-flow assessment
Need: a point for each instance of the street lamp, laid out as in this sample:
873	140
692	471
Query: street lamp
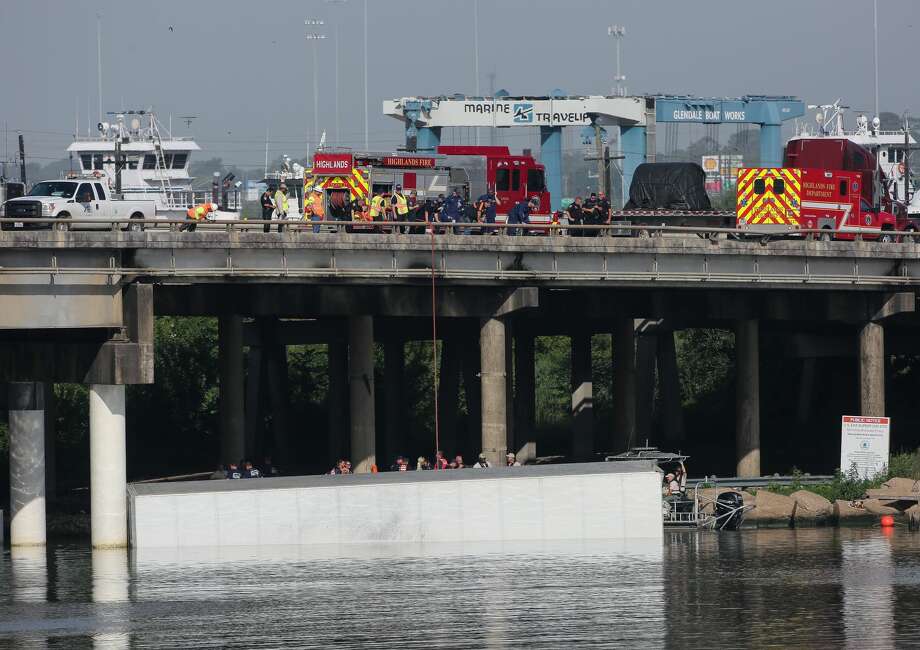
338	141
314	37
618	32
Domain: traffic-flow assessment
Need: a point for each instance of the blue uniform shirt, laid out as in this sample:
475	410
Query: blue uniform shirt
520	213
489	212
453	207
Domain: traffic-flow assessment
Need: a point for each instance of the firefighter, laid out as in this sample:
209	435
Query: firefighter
453	208
520	213
485	209
399	204
281	204
576	217
197	213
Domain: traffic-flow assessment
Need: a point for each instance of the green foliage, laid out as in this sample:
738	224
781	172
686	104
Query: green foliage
905	465
706	362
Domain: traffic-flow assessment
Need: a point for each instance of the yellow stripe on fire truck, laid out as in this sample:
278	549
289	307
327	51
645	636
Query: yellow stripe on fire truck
769	196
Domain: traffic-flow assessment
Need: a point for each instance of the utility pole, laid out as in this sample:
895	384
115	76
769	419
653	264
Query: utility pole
314	37
906	159
492	95
476	53
22	160
601	162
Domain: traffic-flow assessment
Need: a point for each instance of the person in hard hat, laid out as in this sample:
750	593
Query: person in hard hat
314	209
197	213
400	206
281	204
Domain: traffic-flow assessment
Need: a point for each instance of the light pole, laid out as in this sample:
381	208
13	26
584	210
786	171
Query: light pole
366	144
338	141
618	32
476	52
314	37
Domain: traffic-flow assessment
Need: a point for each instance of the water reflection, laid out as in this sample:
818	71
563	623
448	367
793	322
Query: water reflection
110	585
780	588
867	575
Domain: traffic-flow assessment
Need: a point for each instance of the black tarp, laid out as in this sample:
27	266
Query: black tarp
668	186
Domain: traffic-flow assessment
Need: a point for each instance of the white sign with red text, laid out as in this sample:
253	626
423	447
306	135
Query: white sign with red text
864	442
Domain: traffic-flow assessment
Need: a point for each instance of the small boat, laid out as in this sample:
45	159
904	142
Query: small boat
689	509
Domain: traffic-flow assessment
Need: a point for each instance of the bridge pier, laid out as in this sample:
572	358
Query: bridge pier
108	485
872	370
672	416
337	352
747	415
232	400
524	395
494	397
646	353
361	392
394	367
582	397
623	351
27	464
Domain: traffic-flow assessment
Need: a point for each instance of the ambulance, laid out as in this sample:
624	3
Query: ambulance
790	199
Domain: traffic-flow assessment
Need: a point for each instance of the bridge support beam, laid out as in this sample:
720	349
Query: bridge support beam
872	370
361	392
335	401
551	157
493	388
27	464
448	396
747	390
633	147
771	145
232	400
672	416
624	384
525	443
582	397
108	485
394	366
646	353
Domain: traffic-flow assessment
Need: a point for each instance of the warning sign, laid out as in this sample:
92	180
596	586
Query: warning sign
864	442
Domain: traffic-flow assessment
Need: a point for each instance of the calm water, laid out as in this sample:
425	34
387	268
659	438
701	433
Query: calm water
780	588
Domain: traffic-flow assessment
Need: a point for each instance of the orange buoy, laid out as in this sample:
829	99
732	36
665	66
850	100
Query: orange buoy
887	521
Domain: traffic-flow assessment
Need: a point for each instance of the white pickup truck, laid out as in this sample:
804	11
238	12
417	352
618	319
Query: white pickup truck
73	204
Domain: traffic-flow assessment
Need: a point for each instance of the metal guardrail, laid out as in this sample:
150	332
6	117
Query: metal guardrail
760	481
441	227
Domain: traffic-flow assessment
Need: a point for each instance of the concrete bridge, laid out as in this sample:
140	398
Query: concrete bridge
79	307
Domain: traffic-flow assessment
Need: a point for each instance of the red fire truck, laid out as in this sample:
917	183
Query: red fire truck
469	169
788	199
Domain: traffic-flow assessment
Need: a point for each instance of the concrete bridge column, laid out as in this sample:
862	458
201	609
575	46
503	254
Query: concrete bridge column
747	413
473	391
646	352
524	396
624	384
336	401
872	370
27	464
108	485
361	384
582	397
394	366
494	396
672	415
232	400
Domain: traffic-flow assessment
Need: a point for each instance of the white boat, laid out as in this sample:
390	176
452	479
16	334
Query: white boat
890	147
155	165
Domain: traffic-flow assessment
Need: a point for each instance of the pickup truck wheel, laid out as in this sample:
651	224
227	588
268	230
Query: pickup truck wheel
136	227
62	224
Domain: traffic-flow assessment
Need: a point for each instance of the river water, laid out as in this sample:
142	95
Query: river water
853	588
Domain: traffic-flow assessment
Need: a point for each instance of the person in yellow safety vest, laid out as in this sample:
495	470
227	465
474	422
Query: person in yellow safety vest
400	206
281	204
377	206
196	213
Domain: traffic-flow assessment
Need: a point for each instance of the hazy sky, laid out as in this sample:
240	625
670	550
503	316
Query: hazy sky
242	67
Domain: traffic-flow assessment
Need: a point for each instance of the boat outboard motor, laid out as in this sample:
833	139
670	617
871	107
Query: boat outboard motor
729	511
